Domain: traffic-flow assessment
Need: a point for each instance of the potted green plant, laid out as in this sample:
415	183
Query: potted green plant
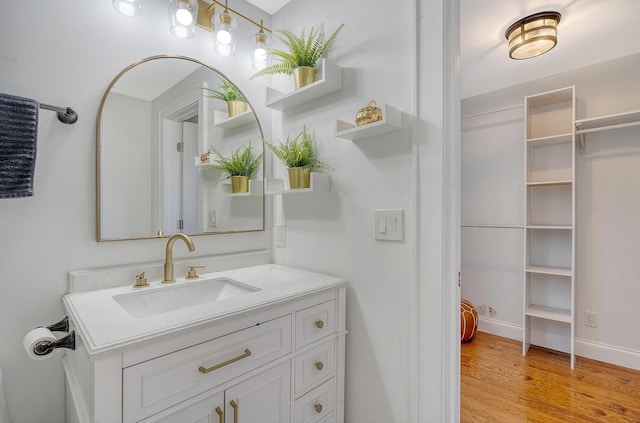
226	91
239	166
300	157
301	55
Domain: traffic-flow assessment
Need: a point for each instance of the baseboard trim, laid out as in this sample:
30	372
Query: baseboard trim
500	328
608	353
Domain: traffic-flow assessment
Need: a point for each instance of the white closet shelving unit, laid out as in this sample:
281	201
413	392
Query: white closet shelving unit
549	259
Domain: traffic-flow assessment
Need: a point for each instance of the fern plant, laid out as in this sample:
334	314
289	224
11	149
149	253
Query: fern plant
299	151
242	162
226	91
303	50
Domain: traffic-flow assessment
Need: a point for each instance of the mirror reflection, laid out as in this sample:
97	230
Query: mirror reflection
157	121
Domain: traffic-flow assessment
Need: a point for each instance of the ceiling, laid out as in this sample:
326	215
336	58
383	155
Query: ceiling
590	31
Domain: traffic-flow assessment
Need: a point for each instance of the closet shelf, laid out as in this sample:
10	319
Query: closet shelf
320	182
552	227
549	183
391	120
550	140
549	313
544	270
329	80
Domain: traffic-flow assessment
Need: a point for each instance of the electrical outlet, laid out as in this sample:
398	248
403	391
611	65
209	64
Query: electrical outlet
591	319
281	236
482	309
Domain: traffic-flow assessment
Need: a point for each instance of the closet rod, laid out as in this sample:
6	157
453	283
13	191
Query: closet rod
65	114
492	226
486	112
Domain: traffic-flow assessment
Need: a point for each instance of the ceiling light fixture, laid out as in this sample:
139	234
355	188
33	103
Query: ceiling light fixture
532	36
129	8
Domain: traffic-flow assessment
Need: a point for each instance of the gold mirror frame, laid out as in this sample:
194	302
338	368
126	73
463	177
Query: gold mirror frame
99	164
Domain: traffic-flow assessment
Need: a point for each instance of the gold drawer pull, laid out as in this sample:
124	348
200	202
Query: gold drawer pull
234	404
319	365
205	370
318	408
220	414
319	324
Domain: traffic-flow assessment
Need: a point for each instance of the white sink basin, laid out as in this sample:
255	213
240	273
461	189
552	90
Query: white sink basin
151	301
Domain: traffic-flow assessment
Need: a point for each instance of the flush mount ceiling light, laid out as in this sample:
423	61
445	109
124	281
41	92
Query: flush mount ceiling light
532	36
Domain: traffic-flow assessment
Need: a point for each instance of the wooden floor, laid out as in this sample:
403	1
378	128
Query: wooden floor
499	385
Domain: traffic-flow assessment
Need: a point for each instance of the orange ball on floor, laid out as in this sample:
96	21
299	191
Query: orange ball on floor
468	321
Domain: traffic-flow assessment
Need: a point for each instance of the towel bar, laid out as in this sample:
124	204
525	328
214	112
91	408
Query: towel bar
65	114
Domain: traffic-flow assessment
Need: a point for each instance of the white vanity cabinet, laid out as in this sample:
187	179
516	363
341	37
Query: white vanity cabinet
276	362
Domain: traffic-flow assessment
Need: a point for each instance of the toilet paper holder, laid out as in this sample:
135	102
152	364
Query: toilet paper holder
69	341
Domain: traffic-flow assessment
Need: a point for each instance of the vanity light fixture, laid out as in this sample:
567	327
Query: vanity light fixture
260	53
129	8
224	37
533	35
183	15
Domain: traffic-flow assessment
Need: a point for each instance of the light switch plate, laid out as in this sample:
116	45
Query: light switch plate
388	224
281	235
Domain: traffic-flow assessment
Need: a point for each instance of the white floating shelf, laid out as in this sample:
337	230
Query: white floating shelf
320	182
222	120
199	163
391	121
329	80
255	189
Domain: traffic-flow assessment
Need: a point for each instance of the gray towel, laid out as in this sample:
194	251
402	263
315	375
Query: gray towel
18	140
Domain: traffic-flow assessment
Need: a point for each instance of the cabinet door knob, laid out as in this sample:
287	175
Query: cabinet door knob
319	365
220	414
318	408
319	324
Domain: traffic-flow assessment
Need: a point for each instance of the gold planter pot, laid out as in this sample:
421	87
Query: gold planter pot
299	177
303	75
239	184
235	107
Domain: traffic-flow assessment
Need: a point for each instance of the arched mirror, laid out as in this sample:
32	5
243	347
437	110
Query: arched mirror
156	120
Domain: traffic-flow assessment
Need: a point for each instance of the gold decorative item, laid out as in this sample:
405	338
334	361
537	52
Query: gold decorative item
299	177
303	75
235	107
369	114
239	184
204	157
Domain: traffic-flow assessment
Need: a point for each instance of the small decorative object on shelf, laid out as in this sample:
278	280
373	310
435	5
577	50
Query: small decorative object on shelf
299	155
204	157
239	167
371	113
226	91
302	54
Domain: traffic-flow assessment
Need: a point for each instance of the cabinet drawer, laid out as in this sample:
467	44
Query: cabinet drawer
157	384
315	323
314	365
315	405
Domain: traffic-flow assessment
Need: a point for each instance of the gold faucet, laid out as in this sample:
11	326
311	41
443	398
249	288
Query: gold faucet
168	263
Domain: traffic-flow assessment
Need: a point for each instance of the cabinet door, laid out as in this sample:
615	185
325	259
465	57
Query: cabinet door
207	410
264	398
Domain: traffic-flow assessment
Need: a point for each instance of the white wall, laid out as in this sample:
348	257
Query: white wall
68	59
608	203
333	232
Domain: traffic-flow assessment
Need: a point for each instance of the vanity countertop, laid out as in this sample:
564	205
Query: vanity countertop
104	325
